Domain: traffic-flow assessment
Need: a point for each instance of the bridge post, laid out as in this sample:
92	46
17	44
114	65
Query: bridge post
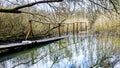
49	31
73	29
77	27
30	32
59	29
67	29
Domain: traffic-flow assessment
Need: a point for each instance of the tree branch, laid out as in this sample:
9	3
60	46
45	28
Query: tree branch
99	5
114	6
10	11
34	3
16	9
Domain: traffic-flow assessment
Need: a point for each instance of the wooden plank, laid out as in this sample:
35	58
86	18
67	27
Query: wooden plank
24	43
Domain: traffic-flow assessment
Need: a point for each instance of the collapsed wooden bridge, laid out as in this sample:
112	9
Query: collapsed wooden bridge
58	31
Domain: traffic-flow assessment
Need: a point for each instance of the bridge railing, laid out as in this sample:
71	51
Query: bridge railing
61	29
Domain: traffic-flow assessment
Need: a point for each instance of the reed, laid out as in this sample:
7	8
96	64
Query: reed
107	24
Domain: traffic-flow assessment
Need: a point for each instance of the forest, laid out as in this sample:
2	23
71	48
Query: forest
100	16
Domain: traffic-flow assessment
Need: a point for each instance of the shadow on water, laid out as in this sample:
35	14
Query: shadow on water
9	55
74	52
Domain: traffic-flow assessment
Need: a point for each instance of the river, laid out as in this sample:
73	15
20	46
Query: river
89	51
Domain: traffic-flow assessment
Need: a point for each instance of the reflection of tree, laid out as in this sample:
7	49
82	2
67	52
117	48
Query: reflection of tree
62	52
59	56
100	61
106	50
98	50
105	62
32	60
26	58
55	60
3	65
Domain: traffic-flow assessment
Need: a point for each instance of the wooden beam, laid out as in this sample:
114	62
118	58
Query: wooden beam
26	43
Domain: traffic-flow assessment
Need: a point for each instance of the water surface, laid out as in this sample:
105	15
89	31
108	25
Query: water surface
74	52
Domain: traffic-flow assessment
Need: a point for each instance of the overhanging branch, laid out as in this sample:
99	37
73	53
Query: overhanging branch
34	3
17	9
10	11
99	5
114	6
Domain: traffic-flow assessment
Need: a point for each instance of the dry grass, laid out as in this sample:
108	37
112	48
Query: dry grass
11	25
107	24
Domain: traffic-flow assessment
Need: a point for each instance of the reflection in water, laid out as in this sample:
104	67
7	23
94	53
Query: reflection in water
78	52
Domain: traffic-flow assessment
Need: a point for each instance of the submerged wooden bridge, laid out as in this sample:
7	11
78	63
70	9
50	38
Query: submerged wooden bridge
56	31
27	44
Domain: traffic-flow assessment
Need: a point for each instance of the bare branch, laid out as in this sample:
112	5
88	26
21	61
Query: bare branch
114	9
16	9
10	11
99	5
114	6
34	3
